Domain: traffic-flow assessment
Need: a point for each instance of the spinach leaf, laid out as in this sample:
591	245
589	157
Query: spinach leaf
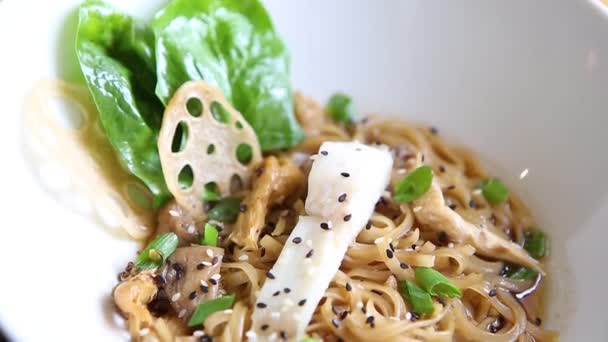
117	58
231	44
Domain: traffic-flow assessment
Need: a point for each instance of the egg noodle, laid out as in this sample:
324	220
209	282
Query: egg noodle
366	284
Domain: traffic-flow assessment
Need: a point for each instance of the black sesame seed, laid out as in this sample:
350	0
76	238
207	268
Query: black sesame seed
389	253
324	225
335	322
287	290
348	287
345	174
441	301
347	217
324	153
452	206
302	302
441	168
259	171
415	316
443	237
159	280
343	314
414	246
206	338
342	198
493	329
472	203
368	225
492	293
403	265
200	267
297	240
369	320
364	309
264	327
538	321
390	245
178	268
213	281
262	252
243	208
433	130
276	293
215	260
261	305
310	252
270	275
322	301
283	335
192	295
204	288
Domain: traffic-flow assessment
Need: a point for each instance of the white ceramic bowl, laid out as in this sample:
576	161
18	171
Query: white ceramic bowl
524	83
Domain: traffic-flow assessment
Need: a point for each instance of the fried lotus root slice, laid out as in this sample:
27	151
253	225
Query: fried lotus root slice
199	140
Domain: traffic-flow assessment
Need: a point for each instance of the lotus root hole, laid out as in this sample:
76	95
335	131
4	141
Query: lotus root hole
194	106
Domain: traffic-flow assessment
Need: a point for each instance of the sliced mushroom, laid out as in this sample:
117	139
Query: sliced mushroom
275	181
131	298
435	214
191	277
172	218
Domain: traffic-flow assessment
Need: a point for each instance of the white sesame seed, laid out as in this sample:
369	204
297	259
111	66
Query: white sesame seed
379	240
198	333
182	313
329	224
176	297
228	312
401	171
451	245
204	283
408	315
209	252
174	213
216	276
477	192
523	174
359	305
206	263
250	334
191	229
144	332
244	257
417	209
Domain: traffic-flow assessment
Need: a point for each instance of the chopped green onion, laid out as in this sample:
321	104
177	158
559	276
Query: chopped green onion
212	193
205	309
494	191
157	251
210	235
535	244
521	273
435	283
419	299
226	210
341	108
414	185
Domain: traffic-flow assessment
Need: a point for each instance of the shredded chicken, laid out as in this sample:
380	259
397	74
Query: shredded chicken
132	296
274	182
309	113
435	214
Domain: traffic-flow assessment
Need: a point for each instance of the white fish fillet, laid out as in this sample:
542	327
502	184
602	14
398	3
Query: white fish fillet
312	255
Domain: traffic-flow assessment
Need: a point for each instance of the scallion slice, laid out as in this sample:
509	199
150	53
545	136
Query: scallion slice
157	251
419	299
205	309
535	244
226	210
341	108
414	185
210	235
494	191
435	283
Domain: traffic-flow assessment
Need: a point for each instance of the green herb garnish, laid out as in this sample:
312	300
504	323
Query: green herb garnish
414	185
494	191
205	309
419	299
435	283
226	210
535	244
157	251
210	235
341	108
